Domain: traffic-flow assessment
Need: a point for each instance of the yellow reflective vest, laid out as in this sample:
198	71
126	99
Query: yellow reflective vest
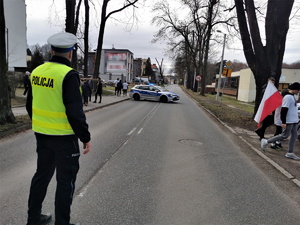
48	111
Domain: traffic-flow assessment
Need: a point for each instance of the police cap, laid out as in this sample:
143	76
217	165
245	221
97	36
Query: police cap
62	42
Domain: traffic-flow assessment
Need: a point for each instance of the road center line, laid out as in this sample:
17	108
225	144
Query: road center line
140	131
131	132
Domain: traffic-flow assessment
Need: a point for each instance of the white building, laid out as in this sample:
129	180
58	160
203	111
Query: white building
16	46
114	63
242	85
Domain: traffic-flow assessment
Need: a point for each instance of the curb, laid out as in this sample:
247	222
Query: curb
28	126
108	104
15	130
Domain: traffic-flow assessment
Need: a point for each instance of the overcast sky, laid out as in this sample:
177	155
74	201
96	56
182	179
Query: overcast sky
43	20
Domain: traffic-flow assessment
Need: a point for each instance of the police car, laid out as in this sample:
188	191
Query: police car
154	93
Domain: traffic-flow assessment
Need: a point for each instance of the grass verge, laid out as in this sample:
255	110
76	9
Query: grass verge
230	111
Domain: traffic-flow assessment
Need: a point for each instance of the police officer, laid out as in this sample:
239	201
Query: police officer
54	104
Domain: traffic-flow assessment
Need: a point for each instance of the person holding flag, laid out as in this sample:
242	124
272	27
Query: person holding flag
271	100
267	120
289	117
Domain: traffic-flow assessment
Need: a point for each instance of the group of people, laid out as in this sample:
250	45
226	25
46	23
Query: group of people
286	120
87	90
119	87
88	87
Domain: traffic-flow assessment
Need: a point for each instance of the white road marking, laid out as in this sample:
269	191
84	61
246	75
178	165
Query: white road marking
131	132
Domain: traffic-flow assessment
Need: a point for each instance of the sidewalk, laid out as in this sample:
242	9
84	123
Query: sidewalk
21	110
106	101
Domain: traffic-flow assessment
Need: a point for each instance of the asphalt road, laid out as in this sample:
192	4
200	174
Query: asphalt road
154	163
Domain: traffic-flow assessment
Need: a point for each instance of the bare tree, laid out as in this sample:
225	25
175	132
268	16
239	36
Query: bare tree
264	60
6	115
86	37
193	32
178	33
104	17
72	22
160	68
37	58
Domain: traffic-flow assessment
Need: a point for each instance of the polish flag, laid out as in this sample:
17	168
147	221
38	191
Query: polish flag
271	100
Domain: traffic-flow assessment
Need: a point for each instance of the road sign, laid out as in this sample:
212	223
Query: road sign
227	72
198	78
228	64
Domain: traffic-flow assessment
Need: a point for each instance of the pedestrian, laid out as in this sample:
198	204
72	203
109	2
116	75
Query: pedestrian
269	120
289	118
86	92
119	87
91	83
116	85
26	82
277	122
54	104
125	87
98	90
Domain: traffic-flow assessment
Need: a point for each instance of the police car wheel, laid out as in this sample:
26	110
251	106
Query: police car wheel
136	97
164	99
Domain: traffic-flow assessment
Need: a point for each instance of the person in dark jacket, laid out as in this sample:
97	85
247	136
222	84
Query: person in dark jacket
269	120
98	90
26	82
54	104
119	87
91	83
86	92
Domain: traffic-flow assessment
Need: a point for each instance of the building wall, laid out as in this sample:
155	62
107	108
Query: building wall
137	67
247	86
246	92
117	63
290	76
15	19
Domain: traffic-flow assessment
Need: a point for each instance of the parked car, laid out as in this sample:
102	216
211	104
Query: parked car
110	83
298	106
154	93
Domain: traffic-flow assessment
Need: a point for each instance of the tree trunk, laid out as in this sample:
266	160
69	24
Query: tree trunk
100	38
264	61
72	24
86	37
104	17
6	115
206	45
277	26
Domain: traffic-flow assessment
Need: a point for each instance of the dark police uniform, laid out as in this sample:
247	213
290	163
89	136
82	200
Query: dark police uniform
57	147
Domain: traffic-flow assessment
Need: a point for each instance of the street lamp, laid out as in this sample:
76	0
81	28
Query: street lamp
221	66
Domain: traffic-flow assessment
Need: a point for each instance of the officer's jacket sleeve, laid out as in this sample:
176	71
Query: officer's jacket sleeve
73	102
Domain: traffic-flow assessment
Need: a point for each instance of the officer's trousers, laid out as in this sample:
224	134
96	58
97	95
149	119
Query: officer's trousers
60	153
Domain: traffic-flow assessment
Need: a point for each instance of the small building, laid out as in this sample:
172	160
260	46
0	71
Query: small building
16	41
137	67
114	63
155	78
242	85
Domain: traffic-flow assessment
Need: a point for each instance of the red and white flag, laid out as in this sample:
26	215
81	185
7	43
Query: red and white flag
271	100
